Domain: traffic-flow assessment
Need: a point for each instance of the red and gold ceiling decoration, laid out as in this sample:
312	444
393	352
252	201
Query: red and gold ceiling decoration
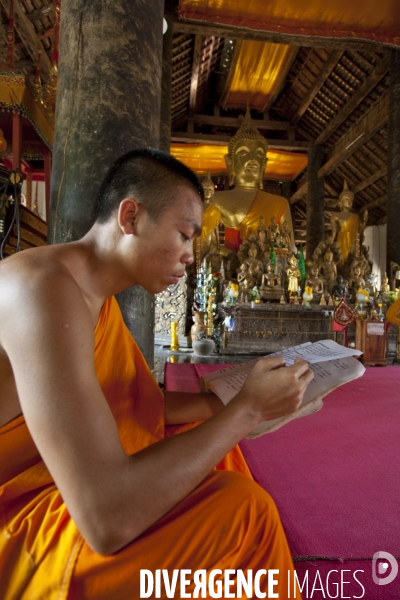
356	19
281	166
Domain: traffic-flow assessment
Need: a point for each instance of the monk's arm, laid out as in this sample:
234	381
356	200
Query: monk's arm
185	407
113	497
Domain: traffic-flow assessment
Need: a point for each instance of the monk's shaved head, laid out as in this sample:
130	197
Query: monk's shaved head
149	176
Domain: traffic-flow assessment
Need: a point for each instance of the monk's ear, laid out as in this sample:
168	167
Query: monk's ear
128	213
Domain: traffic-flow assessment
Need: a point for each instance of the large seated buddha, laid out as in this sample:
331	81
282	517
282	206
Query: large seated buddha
240	208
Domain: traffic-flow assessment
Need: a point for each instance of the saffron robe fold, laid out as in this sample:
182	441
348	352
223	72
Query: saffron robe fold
226	522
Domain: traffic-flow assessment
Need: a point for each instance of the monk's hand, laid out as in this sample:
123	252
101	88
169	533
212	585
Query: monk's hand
273	390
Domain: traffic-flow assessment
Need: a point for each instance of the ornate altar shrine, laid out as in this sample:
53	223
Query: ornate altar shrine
271	327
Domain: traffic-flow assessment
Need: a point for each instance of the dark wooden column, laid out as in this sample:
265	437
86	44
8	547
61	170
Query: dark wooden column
47	177
315	200
108	102
393	164
16	140
165	116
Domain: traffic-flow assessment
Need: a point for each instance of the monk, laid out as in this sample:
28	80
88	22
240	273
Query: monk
95	499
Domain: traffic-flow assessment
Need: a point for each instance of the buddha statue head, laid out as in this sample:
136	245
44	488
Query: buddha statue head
208	187
247	158
346	198
252	252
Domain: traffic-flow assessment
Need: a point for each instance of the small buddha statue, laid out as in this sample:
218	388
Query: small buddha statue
315	282
273	232
251	278
242	275
270	279
212	259
346	225
286	236
208	187
254	262
340	288
271	289
385	287
293	274
240	208
328	270
262	235
357	281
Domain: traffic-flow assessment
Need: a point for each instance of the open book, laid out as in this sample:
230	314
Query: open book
332	365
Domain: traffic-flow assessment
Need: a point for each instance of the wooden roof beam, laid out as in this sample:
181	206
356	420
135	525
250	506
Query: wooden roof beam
236	121
41	12
318	83
371	122
370	180
223	140
359	134
375	203
27	33
195	73
204	28
363	91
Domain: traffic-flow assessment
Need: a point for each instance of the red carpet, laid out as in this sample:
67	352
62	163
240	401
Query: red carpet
335	479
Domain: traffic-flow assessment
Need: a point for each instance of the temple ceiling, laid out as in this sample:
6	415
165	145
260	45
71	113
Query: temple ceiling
319	77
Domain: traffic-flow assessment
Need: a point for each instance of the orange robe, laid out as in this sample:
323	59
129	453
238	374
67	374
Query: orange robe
227	522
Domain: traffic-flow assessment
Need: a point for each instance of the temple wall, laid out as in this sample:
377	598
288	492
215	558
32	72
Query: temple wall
375	239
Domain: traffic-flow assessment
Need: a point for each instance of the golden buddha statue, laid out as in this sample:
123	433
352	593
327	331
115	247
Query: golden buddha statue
240	209
270	279
314	281
208	187
254	263
346	224
357	281
293	275
385	287
328	270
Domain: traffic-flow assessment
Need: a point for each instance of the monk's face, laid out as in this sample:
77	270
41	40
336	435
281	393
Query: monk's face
162	248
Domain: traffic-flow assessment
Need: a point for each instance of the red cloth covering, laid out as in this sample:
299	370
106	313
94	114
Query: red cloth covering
232	238
334	477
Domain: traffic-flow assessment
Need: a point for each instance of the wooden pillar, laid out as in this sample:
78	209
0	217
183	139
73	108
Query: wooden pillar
47	177
165	116
29	190
315	200
393	163
16	140
108	102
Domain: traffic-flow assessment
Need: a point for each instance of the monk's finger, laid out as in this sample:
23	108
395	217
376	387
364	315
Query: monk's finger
299	367
275	362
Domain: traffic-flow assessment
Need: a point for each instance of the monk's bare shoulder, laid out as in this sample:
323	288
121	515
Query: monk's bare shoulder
37	283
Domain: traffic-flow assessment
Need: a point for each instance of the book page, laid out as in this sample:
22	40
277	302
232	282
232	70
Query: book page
226	383
327	377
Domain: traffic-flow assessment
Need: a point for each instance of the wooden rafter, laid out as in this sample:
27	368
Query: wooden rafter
195	73
363	91
204	138
41	12
26	32
360	133
235	122
375	203
364	129
204	28
318	83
